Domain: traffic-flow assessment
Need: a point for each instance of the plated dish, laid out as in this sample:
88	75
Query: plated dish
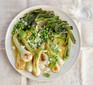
43	43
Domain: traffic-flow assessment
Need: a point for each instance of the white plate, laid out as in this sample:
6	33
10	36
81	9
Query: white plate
74	51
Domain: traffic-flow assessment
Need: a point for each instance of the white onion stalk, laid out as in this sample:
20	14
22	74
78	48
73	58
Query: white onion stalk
25	54
60	61
55	68
29	66
20	64
36	70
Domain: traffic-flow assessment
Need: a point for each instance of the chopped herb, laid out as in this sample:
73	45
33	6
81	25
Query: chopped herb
46	75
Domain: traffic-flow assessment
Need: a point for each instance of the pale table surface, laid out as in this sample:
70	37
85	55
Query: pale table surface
8	76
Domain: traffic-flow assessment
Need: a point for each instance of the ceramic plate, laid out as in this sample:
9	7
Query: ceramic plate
73	54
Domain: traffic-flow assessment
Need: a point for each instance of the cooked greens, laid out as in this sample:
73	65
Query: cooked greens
41	37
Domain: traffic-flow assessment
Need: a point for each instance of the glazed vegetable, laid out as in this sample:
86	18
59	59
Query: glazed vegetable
67	49
20	64
22	37
25	54
36	70
28	66
55	68
71	36
53	51
60	60
43	42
